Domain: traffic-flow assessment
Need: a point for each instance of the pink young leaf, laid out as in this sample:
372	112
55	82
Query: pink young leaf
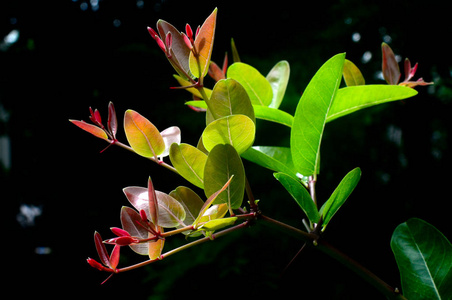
112	122
153	203
93	129
114	258
101	250
119	231
390	67
131	222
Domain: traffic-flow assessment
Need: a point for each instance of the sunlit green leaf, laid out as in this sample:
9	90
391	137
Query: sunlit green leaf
278	78
340	195
424	258
236	130
189	162
300	195
191	202
203	45
351	99
274	158
352	75
218	224
311	114
222	163
142	135
256	85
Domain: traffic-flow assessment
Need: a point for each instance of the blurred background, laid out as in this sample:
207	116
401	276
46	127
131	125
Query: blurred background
58	58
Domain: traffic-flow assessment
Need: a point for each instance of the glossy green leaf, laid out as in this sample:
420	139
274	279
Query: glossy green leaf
236	130
93	129
142	135
340	195
191	202
189	162
424	258
230	98
351	99
352	75
311	114
300	195
222	163
256	85
218	224
203	45
274	158
278	77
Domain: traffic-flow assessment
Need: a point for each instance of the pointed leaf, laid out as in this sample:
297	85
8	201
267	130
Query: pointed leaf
235	53
256	85
189	162
274	158
390	66
203	45
230	98
351	99
278	77
218	224
352	75
310	116
93	129
236	130
153	203
222	163
142	135
101	249
424	258
300	195
155	248
112	121
114	257
340	195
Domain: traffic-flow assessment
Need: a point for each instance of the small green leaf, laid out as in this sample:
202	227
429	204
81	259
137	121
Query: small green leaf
300	195
189	162
236	130
217	224
340	195
278	77
273	115
256	85
230	98
351	99
142	135
352	75
310	116
424	258
278	159
222	163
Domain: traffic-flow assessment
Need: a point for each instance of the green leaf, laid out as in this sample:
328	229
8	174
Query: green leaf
300	194
217	224
351	99
203	45
189	162
340	195
424	258
142	135
311	113
256	85
278	77
230	98
352	75
236	130
274	158
191	202
222	163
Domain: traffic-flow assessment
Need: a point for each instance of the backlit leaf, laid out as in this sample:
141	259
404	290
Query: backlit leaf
170	135
278	159
130	221
189	162
203	45
256	85
236	130
352	75
278	77
93	129
390	66
424	258
311	114
222	163
142	135
191	202
155	248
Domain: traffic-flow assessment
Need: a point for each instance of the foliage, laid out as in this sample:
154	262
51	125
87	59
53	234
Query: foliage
240	95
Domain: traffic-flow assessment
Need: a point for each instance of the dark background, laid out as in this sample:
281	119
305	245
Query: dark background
71	55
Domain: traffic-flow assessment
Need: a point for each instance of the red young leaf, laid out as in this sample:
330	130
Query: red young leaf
114	259
112	122
93	129
390	67
153	204
101	250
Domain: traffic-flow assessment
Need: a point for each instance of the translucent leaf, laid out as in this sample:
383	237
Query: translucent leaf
236	130
189	162
222	163
300	194
390	66
256	85
191	202
424	258
352	75
203	45
274	158
130	221
93	129
142	135
351	99
278	77
170	135
311	114
155	248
